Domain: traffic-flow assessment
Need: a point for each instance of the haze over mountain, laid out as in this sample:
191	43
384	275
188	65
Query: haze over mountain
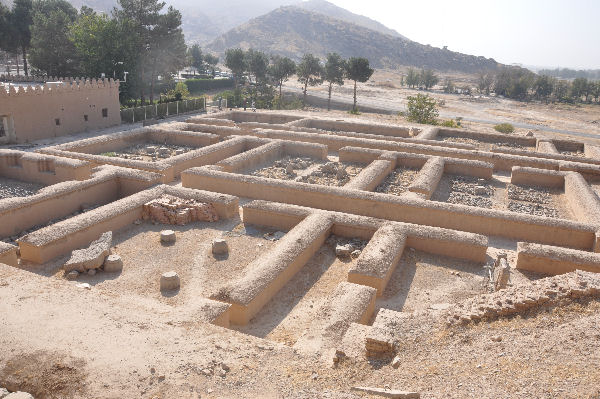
292	31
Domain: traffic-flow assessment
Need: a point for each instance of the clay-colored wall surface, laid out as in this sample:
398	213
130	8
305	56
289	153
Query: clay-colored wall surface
35	109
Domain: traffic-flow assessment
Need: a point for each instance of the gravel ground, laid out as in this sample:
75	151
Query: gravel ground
398	181
537	201
332	174
287	168
580	154
150	152
484	145
465	190
10	188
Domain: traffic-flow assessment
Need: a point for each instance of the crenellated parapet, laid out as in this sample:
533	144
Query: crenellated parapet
60	85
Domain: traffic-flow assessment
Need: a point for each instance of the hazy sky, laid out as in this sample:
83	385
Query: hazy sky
553	33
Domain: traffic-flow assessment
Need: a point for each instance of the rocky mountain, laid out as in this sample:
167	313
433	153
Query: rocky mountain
205	20
333	11
293	31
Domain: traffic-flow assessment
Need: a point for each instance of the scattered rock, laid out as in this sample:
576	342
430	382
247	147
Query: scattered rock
388	393
19	395
177	211
3	393
343	251
113	263
91	272
169	281
529	134
396	362
289	169
356	253
496	338
84	286
167	236
219	247
91	257
137	222
72	275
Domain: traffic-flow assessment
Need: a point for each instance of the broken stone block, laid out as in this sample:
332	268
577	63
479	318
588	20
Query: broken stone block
219	247
356	253
91	257
388	393
19	395
3	393
173	210
91	272
167	236
113	263
501	272
396	362
289	169
72	275
169	281
85	286
343	251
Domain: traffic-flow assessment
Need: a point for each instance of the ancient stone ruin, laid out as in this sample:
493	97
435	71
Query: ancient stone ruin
309	232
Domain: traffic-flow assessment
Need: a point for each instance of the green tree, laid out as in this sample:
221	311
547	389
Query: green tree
281	70
422	109
211	61
412	78
428	78
334	73
103	45
485	82
234	60
358	70
579	88
310	73
195	57
51	50
180	92
595	90
257	64
543	87
449	86
561	90
21	20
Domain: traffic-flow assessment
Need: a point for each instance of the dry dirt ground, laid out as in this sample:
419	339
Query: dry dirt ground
123	338
384	89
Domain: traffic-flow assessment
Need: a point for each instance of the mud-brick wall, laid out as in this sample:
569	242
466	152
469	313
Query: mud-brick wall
39	112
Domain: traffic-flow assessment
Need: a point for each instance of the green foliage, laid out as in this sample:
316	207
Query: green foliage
180	92
235	61
211	61
195	57
280	71
334	72
354	111
449	86
450	123
485	82
543	87
257	63
428	78
310	73
358	70
52	52
422	109
412	78
504	128
514	83
109	154
282	103
199	85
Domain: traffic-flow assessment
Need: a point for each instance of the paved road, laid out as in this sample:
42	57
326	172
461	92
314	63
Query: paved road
387	106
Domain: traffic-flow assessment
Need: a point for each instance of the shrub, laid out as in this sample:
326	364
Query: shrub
199	85
354	111
504	128
422	109
450	123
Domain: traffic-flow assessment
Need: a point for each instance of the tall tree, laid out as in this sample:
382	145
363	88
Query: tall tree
281	70
235	61
51	50
257	63
335	70
543	87
310	73
484	83
428	78
412	78
103	45
211	61
22	18
195	57
358	70
8	34
144	16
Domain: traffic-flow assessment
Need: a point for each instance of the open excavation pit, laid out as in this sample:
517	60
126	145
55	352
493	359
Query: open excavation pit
353	237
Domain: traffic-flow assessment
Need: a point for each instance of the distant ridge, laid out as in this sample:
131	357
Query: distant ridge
292	31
